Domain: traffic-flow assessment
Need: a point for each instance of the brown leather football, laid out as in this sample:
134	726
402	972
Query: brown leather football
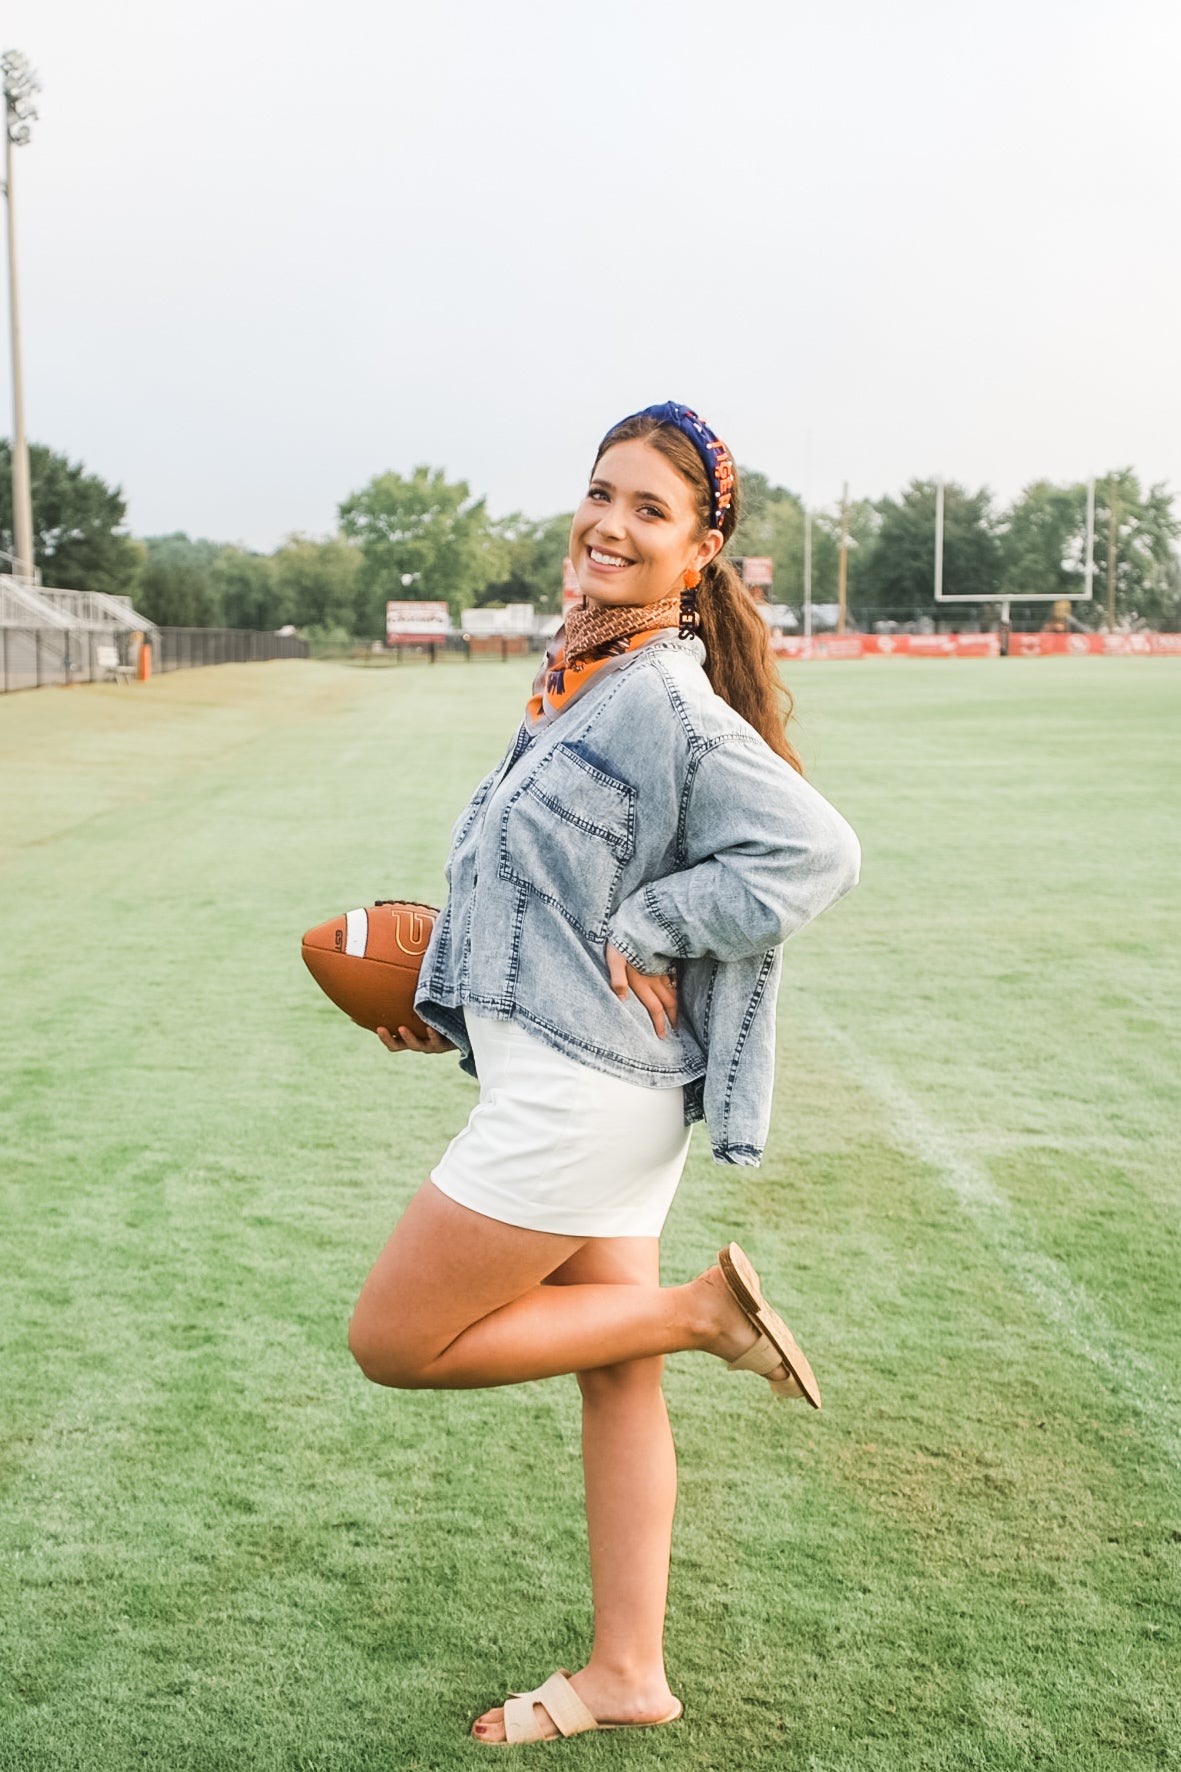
367	961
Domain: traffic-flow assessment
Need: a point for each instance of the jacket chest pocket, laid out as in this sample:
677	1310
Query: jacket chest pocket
567	834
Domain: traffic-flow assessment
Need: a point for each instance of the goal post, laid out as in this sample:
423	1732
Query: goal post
1084	596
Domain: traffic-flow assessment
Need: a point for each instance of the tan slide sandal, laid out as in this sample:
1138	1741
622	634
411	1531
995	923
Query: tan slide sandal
566	1711
776	1345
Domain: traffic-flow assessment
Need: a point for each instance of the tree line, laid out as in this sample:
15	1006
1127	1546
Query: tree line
421	535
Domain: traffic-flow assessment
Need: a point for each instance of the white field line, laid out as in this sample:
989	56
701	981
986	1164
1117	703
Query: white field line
1049	1284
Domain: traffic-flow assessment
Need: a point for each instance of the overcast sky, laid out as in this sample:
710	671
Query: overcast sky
269	250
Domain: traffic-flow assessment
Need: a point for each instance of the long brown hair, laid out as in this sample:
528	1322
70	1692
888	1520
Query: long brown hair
738	658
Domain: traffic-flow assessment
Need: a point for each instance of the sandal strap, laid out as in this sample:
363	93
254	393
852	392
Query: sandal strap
557	1696
762	1356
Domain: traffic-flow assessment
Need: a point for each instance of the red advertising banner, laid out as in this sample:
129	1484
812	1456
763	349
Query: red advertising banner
938	645
1105	645
976	645
888	646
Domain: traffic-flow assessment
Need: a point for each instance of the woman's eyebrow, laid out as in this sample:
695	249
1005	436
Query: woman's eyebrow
656	498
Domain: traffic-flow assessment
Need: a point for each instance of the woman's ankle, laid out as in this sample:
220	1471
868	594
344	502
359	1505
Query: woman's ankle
638	1668
704	1304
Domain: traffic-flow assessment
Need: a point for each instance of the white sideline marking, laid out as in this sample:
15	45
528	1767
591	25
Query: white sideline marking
1061	1300
356	933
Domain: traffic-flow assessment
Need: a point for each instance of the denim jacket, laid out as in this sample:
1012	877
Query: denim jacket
651	816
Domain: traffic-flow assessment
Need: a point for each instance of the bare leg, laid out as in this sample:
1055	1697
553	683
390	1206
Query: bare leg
631	1491
456	1301
459	1300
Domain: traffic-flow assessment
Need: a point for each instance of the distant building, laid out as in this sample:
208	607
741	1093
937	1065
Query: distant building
513	618
779	617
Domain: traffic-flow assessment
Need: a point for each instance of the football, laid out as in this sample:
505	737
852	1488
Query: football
367	961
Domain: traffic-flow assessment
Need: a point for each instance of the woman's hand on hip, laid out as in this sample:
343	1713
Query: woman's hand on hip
658	992
406	1040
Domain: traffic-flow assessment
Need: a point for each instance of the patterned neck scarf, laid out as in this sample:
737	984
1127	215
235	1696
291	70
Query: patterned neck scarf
588	630
591	641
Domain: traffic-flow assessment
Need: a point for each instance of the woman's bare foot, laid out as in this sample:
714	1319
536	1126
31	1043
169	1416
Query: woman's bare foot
729	1332
610	1697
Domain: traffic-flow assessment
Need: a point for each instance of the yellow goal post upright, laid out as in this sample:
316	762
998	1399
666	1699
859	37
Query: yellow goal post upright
1084	596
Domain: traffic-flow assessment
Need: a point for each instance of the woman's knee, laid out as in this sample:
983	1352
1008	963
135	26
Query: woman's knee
383	1356
629	1379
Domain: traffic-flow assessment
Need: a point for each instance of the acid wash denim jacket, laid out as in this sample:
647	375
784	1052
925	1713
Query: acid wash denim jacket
651	816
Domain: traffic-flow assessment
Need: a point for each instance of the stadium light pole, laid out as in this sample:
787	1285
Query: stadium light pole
938	539
20	83
807	574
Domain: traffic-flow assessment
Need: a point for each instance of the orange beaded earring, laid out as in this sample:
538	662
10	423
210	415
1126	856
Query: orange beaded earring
689	616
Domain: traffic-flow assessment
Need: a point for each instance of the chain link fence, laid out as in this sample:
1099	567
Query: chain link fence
32	658
183	649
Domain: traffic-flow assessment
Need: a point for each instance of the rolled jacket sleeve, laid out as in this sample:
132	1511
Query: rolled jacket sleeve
764	854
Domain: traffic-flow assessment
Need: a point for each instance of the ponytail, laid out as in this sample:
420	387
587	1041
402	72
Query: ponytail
738	659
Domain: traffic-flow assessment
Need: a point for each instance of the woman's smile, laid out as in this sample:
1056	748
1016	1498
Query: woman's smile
606	562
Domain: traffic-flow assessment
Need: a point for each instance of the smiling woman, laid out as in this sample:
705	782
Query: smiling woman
623	542
606	963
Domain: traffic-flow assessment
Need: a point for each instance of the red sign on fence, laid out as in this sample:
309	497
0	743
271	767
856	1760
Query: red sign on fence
889	645
976	645
1111	645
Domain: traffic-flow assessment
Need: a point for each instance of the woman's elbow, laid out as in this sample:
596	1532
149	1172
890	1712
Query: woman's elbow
830	868
838	864
846	860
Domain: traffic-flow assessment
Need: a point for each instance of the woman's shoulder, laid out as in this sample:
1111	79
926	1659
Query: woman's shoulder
679	670
670	674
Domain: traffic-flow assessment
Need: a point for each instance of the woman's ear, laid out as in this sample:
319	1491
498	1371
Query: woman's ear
709	546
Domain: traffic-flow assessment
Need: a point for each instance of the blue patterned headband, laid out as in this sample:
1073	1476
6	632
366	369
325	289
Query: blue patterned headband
709	446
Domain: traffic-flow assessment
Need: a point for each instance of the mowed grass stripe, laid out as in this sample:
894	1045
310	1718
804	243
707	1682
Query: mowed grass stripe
221	1542
1064	1303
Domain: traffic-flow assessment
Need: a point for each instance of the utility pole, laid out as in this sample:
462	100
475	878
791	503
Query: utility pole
1112	535
843	561
20	83
807	575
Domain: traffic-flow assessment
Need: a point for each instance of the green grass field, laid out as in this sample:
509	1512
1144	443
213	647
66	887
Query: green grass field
221	1548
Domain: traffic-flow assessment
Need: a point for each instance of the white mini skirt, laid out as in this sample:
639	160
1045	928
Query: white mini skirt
555	1146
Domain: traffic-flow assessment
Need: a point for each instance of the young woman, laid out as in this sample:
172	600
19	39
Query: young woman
607	962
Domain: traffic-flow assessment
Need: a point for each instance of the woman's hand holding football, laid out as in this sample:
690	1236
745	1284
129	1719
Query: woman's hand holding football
406	1040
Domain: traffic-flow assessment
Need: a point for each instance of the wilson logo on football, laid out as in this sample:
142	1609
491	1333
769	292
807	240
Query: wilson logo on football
368	961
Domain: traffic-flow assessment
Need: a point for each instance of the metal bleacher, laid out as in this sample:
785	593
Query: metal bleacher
55	636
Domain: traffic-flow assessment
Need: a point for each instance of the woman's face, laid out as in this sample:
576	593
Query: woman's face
636	531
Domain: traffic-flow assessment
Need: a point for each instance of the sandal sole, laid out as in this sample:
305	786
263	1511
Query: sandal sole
600	1729
745	1285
